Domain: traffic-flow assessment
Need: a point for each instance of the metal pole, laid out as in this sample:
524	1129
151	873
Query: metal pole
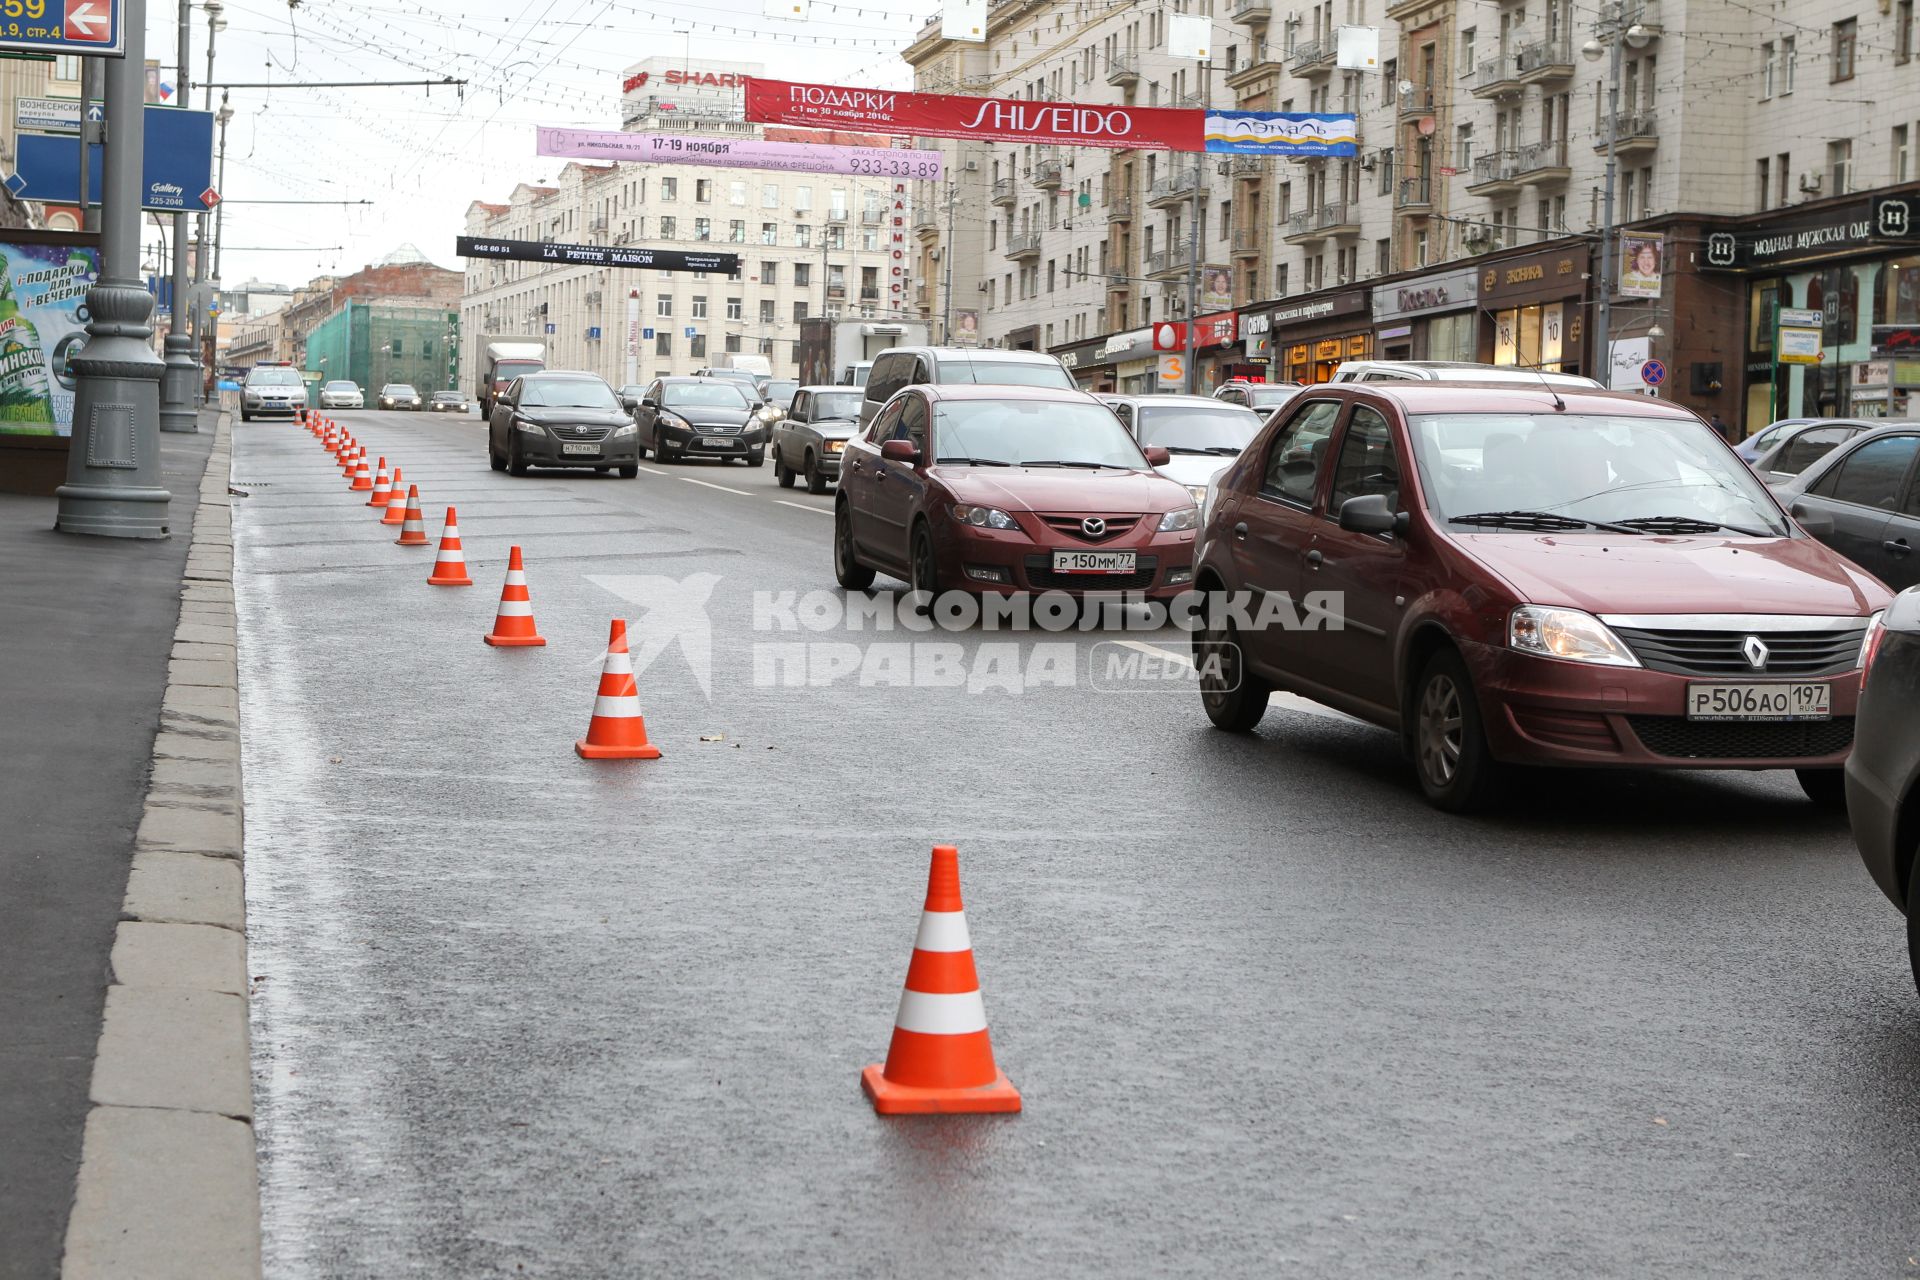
946	263
89	134
1603	312
113	468
1193	283
201	264
179	386
219	210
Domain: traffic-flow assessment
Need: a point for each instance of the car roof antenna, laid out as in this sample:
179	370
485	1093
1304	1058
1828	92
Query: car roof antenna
1558	404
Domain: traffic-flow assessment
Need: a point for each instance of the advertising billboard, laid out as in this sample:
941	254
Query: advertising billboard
43	319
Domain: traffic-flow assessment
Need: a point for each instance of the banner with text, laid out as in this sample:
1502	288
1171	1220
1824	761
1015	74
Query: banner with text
737	153
43	292
1282	133
595	255
942	115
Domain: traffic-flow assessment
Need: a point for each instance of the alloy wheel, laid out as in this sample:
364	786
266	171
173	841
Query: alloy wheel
1439	731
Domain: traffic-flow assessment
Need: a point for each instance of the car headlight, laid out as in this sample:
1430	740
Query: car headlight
1182	518
631	428
769	413
984	517
836	446
1568	634
1199	492
531	428
675	421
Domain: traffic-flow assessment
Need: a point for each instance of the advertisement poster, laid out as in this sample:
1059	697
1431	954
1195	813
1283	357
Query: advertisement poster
1282	133
966	328
1640	264
945	115
737	153
43	319
1216	288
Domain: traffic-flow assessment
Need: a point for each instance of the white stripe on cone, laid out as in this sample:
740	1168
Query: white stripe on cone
515	577
618	664
452	531
515	609
448	555
616	706
941	1015
942	931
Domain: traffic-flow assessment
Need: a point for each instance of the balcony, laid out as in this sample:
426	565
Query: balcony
1118	280
1002	192
1545	60
926	225
1311	57
1325	223
1023	246
1496	77
1260	66
1173	188
921	294
1119	208
1190	102
836	291
872	217
1416	102
1246	242
1495	175
1539	163
835	217
1251	12
1047	174
1243	168
1167	264
1413	195
1638	134
1123	69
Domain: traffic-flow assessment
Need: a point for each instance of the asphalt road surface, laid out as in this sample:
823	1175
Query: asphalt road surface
520	1014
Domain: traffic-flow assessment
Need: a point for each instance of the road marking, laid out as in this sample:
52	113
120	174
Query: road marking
649	470
1285	701
722	488
801	506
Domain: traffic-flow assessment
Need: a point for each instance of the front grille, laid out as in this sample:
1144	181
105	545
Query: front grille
1041	577
717	428
580	433
1718	653
1681	739
1071	525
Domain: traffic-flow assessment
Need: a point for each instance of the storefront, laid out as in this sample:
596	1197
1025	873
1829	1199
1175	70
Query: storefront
1532	310
1431	317
1098	363
1216	349
1310	337
1856	266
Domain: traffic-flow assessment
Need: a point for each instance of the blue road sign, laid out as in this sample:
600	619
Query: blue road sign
62	26
551	327
1653	373
688	331
647	334
176	170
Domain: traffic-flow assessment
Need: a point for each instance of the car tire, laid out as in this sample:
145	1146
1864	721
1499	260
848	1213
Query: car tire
244	415
494	460
780	473
1827	788
1233	697
758	458
515	464
668	457
628	472
847	569
816	483
1451	758
924	566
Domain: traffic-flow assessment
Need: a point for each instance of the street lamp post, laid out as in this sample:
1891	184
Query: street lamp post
1611	37
179	385
216	23
113	465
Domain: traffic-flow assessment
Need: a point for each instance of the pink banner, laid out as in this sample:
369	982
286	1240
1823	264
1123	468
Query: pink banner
737	153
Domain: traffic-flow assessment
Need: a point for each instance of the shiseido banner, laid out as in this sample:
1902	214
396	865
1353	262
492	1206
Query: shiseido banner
941	115
596	255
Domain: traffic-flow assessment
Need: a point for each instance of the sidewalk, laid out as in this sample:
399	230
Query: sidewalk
87	632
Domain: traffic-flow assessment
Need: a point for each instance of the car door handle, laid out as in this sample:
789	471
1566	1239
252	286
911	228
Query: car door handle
1240	531
1313	559
1896	547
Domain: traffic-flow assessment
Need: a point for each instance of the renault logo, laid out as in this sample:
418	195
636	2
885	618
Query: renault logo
1755	651
1093	526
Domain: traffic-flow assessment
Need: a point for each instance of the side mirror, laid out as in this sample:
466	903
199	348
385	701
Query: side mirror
1369	513
1818	524
899	451
649	404
1157	456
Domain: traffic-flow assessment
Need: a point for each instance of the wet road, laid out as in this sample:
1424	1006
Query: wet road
517	1014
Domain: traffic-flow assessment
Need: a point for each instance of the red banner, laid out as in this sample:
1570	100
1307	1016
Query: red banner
943	115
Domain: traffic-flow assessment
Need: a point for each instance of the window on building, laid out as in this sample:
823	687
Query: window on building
1763	184
802	274
769	233
1781	163
870	239
669	225
1789	62
1840	166
703	190
1902	159
1769	68
737	193
662	302
799	308
834	236
802	234
802	198
697	346
1389	81
1280	289
67	67
703	228
1420	249
669	187
766	346
1903	31
1383	256
1846	41
769	273
769	195
731	343
766	311
700	306
737	231
735	309
662	340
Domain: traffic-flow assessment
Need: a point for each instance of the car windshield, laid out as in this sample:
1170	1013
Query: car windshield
1033	433
398	389
505	370
1267	397
1223	429
1534	472
274	378
716	394
732	375
342	386
1008	373
567	393
836	404
857	374
780	390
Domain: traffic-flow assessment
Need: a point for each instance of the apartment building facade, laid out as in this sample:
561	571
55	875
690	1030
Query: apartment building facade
809	244
1468	226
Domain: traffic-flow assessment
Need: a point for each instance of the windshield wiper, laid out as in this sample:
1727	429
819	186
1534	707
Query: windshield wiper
1183	448
1059	462
1689	524
974	462
1228	450
1538	520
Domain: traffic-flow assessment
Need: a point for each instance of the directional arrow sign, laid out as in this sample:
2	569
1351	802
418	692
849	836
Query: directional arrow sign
62	26
89	20
176	164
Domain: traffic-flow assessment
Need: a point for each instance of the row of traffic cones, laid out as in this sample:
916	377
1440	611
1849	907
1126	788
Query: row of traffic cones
941	1057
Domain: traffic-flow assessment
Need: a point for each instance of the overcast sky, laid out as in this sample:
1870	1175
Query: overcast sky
420	157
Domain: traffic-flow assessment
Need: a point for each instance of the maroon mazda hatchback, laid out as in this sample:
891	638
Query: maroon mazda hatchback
1004	489
1522	576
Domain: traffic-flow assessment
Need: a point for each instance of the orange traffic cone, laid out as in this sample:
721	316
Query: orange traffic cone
378	498
449	566
362	477
940	1060
396	501
617	731
413	530
355	456
513	626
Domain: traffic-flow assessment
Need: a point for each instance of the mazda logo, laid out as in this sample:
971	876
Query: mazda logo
1755	651
1093	526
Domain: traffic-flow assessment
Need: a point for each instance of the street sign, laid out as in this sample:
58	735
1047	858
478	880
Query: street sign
62	26
688	332
47	115
551	327
176	163
209	197
647	334
1802	318
1653	373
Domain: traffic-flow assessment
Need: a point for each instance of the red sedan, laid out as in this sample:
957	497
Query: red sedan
1005	489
